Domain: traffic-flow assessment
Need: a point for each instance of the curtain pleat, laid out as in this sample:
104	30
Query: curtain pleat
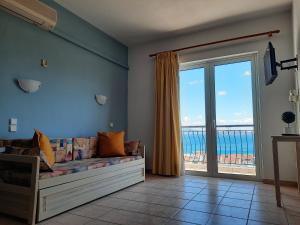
166	151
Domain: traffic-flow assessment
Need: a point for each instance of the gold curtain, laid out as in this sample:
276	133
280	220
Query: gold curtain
166	150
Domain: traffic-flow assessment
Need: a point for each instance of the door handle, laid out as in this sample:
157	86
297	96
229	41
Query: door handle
214	124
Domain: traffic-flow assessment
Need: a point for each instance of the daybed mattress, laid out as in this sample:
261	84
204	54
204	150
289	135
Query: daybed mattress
60	169
21	176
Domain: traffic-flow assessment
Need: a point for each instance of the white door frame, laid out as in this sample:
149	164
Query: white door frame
208	65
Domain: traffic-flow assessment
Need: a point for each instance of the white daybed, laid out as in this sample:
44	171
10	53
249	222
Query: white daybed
44	198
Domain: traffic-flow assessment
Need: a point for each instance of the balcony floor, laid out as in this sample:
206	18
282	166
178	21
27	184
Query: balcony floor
223	168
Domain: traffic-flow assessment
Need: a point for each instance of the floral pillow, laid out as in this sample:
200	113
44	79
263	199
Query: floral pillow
84	148
62	148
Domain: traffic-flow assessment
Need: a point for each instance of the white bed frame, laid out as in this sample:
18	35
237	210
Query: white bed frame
48	197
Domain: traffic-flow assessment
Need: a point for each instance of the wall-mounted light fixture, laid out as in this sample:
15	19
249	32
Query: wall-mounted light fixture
101	99
29	86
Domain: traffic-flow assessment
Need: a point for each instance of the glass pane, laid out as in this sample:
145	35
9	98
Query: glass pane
192	111
234	118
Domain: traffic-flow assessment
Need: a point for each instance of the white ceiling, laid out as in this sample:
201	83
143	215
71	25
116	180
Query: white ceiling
138	21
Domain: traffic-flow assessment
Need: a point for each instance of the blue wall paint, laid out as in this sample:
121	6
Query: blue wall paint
65	105
77	30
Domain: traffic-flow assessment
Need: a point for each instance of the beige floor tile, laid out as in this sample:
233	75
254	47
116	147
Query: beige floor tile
236	195
177	222
224	220
67	218
291	200
208	198
264	198
215	192
252	222
236	203
131	218
262	206
292	210
116	203
269	193
244	185
47	222
268	217
142	207
232	211
184	201
98	222
264	187
193	184
174	202
241	190
91	211
192	216
164	192
217	187
293	220
201	206
181	188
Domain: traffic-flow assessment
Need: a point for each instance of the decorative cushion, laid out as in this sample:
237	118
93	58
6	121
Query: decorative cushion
62	148
93	146
84	148
131	147
44	164
42	141
111	144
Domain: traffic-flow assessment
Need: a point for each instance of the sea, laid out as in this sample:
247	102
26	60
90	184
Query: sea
229	142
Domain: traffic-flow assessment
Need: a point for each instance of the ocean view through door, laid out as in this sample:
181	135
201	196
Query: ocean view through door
217	117
192	101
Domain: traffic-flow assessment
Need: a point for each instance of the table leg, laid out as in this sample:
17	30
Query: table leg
276	172
298	163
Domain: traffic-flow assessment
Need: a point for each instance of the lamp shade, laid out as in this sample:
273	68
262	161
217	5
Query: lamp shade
101	99
29	86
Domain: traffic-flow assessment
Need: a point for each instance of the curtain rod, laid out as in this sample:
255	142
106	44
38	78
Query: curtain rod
268	33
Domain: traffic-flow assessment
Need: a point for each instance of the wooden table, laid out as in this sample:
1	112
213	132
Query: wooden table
275	140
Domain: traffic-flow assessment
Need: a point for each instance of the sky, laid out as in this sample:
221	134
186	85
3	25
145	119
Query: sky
233	93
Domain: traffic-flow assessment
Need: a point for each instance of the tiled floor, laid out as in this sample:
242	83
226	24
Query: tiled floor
185	201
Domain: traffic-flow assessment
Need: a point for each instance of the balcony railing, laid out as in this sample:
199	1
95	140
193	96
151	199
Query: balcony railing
235	144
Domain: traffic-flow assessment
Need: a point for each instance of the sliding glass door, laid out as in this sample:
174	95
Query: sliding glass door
218	108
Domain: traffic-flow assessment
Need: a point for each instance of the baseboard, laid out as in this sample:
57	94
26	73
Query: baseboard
265	181
282	182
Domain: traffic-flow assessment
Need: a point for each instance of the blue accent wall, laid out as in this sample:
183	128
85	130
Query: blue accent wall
65	105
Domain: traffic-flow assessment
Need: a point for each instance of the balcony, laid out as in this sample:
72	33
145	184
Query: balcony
235	148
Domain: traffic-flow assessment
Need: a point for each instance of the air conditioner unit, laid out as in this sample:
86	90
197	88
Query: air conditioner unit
32	11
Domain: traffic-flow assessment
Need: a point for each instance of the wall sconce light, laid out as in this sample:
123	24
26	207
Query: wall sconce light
101	99
29	86
293	96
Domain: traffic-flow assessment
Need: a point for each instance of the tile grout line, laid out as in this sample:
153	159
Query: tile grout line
173	217
250	205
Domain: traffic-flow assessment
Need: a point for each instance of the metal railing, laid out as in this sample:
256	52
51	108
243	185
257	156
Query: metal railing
235	144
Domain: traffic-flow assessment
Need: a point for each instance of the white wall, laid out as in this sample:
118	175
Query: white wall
296	41
274	98
296	24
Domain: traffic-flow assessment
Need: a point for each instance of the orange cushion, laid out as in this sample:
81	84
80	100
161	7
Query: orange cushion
111	144
42	141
